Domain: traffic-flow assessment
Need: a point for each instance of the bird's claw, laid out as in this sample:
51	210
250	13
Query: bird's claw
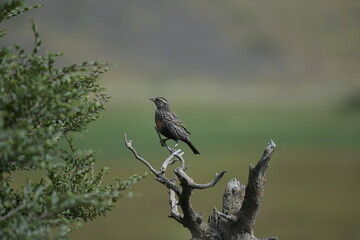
162	142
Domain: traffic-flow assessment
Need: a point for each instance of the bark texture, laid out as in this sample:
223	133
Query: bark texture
241	203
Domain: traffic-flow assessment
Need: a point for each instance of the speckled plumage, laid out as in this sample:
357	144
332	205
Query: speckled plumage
169	124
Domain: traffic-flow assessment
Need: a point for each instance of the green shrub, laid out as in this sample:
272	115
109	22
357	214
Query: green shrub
41	107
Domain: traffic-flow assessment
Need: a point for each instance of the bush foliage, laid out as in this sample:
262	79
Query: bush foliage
42	106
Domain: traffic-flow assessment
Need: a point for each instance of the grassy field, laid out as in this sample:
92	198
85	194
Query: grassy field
311	190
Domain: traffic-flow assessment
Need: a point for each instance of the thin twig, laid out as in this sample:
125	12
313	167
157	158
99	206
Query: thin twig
128	144
159	175
169	161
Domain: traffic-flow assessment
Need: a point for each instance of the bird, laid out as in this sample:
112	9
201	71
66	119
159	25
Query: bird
169	125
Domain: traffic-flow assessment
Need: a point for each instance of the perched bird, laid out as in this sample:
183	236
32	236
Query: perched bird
169	124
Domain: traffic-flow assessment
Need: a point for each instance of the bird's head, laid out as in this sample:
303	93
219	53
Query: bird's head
160	102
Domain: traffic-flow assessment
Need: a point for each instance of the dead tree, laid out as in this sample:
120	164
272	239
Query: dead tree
240	204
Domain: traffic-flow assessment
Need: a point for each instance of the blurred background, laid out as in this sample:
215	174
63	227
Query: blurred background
238	73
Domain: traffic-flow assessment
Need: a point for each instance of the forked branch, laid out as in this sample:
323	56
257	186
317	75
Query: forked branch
159	175
179	195
242	204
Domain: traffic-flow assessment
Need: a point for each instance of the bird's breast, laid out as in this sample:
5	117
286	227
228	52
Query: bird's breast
159	124
159	120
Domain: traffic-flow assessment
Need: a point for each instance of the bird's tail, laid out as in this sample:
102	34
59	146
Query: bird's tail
189	143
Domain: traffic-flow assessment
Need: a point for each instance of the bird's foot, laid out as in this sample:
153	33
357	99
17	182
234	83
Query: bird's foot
163	142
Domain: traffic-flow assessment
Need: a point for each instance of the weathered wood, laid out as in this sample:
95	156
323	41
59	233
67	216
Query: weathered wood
240	207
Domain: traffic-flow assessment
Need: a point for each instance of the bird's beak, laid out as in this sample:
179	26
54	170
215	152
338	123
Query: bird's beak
152	99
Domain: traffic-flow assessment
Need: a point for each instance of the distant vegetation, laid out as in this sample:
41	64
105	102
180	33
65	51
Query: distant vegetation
223	41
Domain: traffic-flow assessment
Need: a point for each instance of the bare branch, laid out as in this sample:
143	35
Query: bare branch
170	160
254	191
128	144
174	207
263	164
159	175
181	159
180	173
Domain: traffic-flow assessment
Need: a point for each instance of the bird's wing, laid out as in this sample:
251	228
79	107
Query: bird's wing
177	121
